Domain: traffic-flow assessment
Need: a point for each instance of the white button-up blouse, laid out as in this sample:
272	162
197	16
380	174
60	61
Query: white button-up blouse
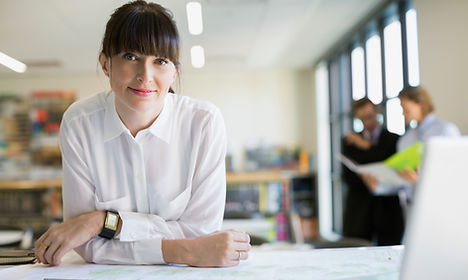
167	182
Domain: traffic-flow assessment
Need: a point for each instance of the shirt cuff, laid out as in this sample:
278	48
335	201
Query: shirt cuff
383	190
149	251
135	227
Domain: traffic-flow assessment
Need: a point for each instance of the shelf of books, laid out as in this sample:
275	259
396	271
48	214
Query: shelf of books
30	196
272	206
30	204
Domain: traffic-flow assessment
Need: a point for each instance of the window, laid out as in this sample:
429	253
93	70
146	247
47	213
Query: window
357	73
412	42
393	76
378	60
393	59
395	119
374	69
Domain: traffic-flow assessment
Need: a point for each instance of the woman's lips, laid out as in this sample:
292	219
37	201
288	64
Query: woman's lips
142	91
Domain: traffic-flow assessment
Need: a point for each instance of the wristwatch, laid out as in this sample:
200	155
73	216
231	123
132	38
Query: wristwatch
110	225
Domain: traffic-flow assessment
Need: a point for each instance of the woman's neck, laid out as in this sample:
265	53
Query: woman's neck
422	118
136	121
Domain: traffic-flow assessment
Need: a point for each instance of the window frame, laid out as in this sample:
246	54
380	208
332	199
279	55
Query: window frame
340	90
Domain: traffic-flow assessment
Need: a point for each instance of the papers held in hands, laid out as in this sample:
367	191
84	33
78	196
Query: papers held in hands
379	170
386	171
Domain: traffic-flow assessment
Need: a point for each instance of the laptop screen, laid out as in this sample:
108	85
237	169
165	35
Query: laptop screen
436	245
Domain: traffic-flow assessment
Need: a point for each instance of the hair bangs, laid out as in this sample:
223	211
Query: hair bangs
147	33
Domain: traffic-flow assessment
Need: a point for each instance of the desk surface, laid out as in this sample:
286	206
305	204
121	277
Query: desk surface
380	263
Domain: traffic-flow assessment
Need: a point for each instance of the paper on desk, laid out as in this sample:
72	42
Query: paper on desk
349	263
379	170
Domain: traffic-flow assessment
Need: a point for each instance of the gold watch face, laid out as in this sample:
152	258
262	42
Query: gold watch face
111	221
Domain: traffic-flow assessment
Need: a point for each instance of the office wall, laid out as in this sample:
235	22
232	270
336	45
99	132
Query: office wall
443	46
305	80
269	105
259	106
83	84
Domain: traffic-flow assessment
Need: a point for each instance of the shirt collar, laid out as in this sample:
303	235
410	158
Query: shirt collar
162	126
428	120
113	125
374	135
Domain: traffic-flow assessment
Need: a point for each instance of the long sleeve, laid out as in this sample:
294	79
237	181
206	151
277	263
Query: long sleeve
384	190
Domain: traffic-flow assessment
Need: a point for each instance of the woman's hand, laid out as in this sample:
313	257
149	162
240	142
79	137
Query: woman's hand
370	181
219	249
410	174
61	238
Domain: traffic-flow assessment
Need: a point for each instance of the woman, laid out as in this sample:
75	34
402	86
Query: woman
417	106
143	168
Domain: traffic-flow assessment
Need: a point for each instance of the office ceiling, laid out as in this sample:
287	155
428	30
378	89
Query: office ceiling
64	36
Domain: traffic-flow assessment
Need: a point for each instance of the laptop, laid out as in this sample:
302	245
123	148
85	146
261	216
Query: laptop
436	245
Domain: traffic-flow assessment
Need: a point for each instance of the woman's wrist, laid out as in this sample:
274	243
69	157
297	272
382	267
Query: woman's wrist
177	251
98	218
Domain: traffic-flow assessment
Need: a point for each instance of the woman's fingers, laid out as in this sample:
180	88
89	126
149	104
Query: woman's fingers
240	256
239	236
244	255
370	181
51	251
242	246
40	247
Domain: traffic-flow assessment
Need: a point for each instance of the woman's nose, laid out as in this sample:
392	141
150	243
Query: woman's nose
145	73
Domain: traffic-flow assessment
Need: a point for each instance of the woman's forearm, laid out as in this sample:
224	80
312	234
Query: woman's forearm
218	249
177	251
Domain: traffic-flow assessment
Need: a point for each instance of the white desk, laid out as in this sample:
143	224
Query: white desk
380	263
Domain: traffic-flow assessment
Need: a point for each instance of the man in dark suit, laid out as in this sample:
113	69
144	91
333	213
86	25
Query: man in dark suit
375	218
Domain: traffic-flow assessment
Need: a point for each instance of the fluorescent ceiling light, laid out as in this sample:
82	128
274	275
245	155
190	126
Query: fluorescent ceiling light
12	63
198	56
194	17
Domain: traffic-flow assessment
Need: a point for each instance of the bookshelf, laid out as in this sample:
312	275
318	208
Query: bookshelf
263	203
46	110
30	157
30	204
267	203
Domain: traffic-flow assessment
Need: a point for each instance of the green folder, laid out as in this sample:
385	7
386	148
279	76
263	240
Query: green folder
410	157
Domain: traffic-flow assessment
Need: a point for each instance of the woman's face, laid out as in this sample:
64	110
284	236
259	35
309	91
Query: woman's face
411	110
140	82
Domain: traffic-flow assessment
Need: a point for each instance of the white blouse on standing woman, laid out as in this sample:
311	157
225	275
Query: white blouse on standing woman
167	182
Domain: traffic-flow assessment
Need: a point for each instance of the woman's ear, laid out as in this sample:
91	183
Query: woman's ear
175	74
105	62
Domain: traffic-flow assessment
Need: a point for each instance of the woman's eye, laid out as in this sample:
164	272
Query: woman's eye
129	56
161	61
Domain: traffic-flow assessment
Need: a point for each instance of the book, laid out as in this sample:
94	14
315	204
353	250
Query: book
409	157
11	257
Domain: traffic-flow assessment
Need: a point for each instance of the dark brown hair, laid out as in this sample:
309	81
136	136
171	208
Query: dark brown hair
146	28
418	95
361	103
